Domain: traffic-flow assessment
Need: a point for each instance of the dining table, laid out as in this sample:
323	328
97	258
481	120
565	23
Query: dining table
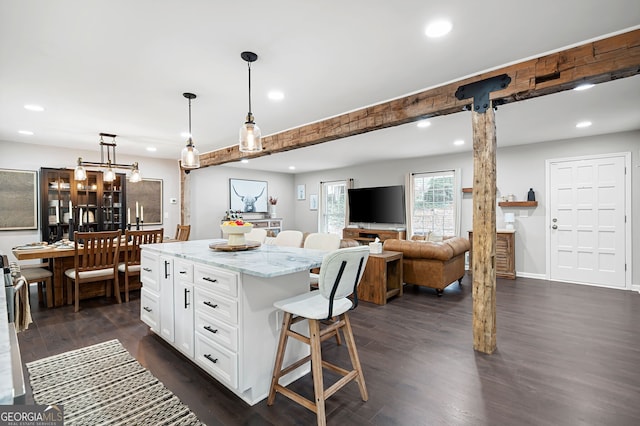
61	260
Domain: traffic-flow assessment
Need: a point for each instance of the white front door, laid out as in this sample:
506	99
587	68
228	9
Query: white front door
587	208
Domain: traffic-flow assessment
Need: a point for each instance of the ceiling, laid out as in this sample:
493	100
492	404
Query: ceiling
121	67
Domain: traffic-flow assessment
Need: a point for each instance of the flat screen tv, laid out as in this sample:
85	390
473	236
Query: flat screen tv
382	204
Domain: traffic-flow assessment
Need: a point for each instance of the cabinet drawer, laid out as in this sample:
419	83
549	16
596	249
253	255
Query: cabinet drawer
216	330
217	280
216	305
150	309
149	271
183	270
221	363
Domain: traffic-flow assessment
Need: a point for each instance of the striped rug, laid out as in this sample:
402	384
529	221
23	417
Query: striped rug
104	385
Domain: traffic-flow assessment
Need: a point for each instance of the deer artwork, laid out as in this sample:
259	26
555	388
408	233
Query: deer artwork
248	201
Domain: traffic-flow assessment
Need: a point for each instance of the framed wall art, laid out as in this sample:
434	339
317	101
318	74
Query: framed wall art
313	201
300	193
148	194
248	196
19	195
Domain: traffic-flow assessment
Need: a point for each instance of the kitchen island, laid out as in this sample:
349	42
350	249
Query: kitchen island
216	307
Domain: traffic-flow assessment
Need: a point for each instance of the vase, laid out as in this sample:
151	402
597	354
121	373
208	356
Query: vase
272	211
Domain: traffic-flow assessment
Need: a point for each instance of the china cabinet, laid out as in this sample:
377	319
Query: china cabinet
88	205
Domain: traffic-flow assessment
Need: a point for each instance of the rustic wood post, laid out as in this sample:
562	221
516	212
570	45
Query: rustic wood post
185	197
484	231
484	209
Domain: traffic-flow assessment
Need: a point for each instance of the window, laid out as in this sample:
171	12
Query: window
332	217
434	203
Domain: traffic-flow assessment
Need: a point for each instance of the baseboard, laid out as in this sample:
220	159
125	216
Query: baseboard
635	287
530	275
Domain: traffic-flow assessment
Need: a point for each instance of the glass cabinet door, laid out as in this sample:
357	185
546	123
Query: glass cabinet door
56	190
113	203
87	196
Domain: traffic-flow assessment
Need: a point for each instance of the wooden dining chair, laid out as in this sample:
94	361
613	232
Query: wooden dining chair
182	232
41	274
95	259
131	265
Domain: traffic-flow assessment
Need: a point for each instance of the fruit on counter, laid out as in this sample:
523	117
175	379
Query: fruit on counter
237	222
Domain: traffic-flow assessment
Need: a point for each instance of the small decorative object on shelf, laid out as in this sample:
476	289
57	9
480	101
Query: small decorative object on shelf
531	195
272	206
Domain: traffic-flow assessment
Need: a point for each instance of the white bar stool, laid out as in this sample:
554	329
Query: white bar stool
340	275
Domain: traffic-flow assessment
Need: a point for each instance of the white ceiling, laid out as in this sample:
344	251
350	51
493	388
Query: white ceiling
121	67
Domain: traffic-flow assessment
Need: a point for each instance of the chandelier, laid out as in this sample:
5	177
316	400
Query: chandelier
108	150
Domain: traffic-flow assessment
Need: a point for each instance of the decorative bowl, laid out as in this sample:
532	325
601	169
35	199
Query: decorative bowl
236	233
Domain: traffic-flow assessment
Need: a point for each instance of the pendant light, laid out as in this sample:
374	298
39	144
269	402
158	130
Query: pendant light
135	174
108	150
80	172
190	157
250	136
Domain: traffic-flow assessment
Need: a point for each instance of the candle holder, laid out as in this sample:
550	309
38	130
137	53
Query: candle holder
129	226
137	223
142	224
71	230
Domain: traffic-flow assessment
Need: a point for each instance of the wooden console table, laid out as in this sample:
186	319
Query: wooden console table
505	253
365	236
382	278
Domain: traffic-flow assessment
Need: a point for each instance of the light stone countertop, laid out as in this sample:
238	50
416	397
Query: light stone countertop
267	261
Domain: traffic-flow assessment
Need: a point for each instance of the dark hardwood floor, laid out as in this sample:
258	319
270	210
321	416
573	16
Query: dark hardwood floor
567	355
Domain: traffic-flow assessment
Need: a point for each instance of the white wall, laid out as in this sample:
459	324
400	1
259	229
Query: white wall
210	197
21	156
518	169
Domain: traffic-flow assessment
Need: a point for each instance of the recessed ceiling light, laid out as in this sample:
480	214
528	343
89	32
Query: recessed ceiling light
32	107
152	149
244	161
458	142
583	124
584	86
185	135
423	123
292	167
438	28
275	95
26	132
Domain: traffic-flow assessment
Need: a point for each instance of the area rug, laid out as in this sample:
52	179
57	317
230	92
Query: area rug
103	385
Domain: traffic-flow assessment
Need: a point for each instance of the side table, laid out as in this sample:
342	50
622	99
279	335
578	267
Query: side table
382	278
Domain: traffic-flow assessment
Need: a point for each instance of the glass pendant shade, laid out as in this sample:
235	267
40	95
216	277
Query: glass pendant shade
135	174
190	157
250	137
80	173
108	175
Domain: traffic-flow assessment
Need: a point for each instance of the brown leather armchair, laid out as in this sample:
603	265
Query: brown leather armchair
430	264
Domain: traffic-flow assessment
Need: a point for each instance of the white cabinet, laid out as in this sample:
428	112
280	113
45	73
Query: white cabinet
183	296
222	320
167	330
217	317
150	294
183	308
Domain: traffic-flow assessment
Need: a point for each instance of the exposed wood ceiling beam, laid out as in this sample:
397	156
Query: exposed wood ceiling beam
596	62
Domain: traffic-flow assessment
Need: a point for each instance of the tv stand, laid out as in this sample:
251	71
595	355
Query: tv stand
365	236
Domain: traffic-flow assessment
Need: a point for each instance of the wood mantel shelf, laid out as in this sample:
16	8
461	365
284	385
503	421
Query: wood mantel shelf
518	203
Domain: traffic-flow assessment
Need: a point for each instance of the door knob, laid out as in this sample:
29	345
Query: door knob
554	227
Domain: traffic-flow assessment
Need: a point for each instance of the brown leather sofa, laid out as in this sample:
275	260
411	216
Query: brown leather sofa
431	264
